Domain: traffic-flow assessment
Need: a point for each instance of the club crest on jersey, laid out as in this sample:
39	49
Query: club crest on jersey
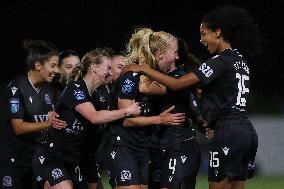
14	105
128	87
79	94
47	99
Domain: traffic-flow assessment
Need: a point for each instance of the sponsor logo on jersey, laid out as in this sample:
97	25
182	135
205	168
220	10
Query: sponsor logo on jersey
206	70
7	181
14	105
40	118
79	95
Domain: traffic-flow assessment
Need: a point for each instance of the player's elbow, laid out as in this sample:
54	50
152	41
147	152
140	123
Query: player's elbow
17	130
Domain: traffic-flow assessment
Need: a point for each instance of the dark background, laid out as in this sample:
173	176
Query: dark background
87	24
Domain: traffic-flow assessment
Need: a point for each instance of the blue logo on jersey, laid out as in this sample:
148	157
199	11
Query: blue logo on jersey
14	105
127	87
79	95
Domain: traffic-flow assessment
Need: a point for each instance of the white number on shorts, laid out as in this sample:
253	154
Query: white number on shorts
242	89
78	171
172	165
214	161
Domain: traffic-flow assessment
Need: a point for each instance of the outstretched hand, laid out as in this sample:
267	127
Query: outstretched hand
133	109
168	118
54	121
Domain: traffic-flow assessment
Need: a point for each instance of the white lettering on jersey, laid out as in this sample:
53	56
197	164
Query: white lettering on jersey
242	65
206	70
40	118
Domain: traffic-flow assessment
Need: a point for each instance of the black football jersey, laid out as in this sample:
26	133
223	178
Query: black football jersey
127	87
98	134
24	102
184	102
69	141
226	85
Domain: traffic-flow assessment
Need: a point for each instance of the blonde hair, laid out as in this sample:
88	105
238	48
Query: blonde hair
144	43
92	57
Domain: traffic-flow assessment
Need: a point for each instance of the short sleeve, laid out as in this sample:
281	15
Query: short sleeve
15	102
210	70
74	94
129	85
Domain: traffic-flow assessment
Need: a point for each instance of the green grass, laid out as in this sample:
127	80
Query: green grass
258	182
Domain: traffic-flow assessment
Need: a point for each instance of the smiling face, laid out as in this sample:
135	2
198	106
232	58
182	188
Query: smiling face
104	70
210	39
48	69
118	62
166	60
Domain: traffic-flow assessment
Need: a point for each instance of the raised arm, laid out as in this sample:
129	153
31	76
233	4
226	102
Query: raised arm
170	82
